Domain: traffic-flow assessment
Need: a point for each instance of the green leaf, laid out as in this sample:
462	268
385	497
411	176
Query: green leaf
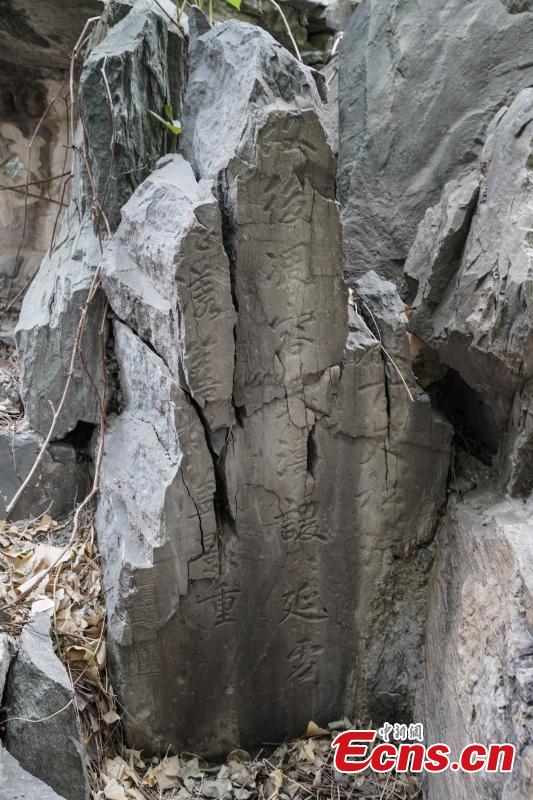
167	111
174	126
235	3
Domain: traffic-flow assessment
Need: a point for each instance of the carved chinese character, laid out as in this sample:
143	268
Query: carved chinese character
304	603
223	603
302	660
146	608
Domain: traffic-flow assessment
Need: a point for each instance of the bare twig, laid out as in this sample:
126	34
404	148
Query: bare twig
101	203
33	183
40	719
45	199
18	294
77	47
52	240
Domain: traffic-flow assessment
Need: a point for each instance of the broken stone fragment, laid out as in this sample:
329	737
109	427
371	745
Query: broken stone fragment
142	58
17	784
474	300
478	656
218	126
166	275
47	327
38	687
418	87
58	483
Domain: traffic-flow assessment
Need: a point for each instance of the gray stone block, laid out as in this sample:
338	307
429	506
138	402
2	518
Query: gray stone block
37	687
17	784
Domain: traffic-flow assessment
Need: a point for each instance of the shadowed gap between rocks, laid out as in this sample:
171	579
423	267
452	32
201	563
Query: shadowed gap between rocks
475	429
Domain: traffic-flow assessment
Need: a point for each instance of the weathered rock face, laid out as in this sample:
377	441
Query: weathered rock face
468	272
47	326
273	475
38	36
141	59
58	468
419	84
257	534
516	453
470	264
38	686
478	671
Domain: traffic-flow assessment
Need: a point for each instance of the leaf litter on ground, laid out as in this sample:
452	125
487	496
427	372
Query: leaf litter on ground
72	594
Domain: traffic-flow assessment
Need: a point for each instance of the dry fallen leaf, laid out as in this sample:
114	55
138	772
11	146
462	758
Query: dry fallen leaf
42	605
275	783
114	791
315	730
110	717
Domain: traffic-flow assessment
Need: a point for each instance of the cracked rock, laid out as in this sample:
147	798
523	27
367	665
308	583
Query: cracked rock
38	686
7	651
277	580
166	275
419	83
248	544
